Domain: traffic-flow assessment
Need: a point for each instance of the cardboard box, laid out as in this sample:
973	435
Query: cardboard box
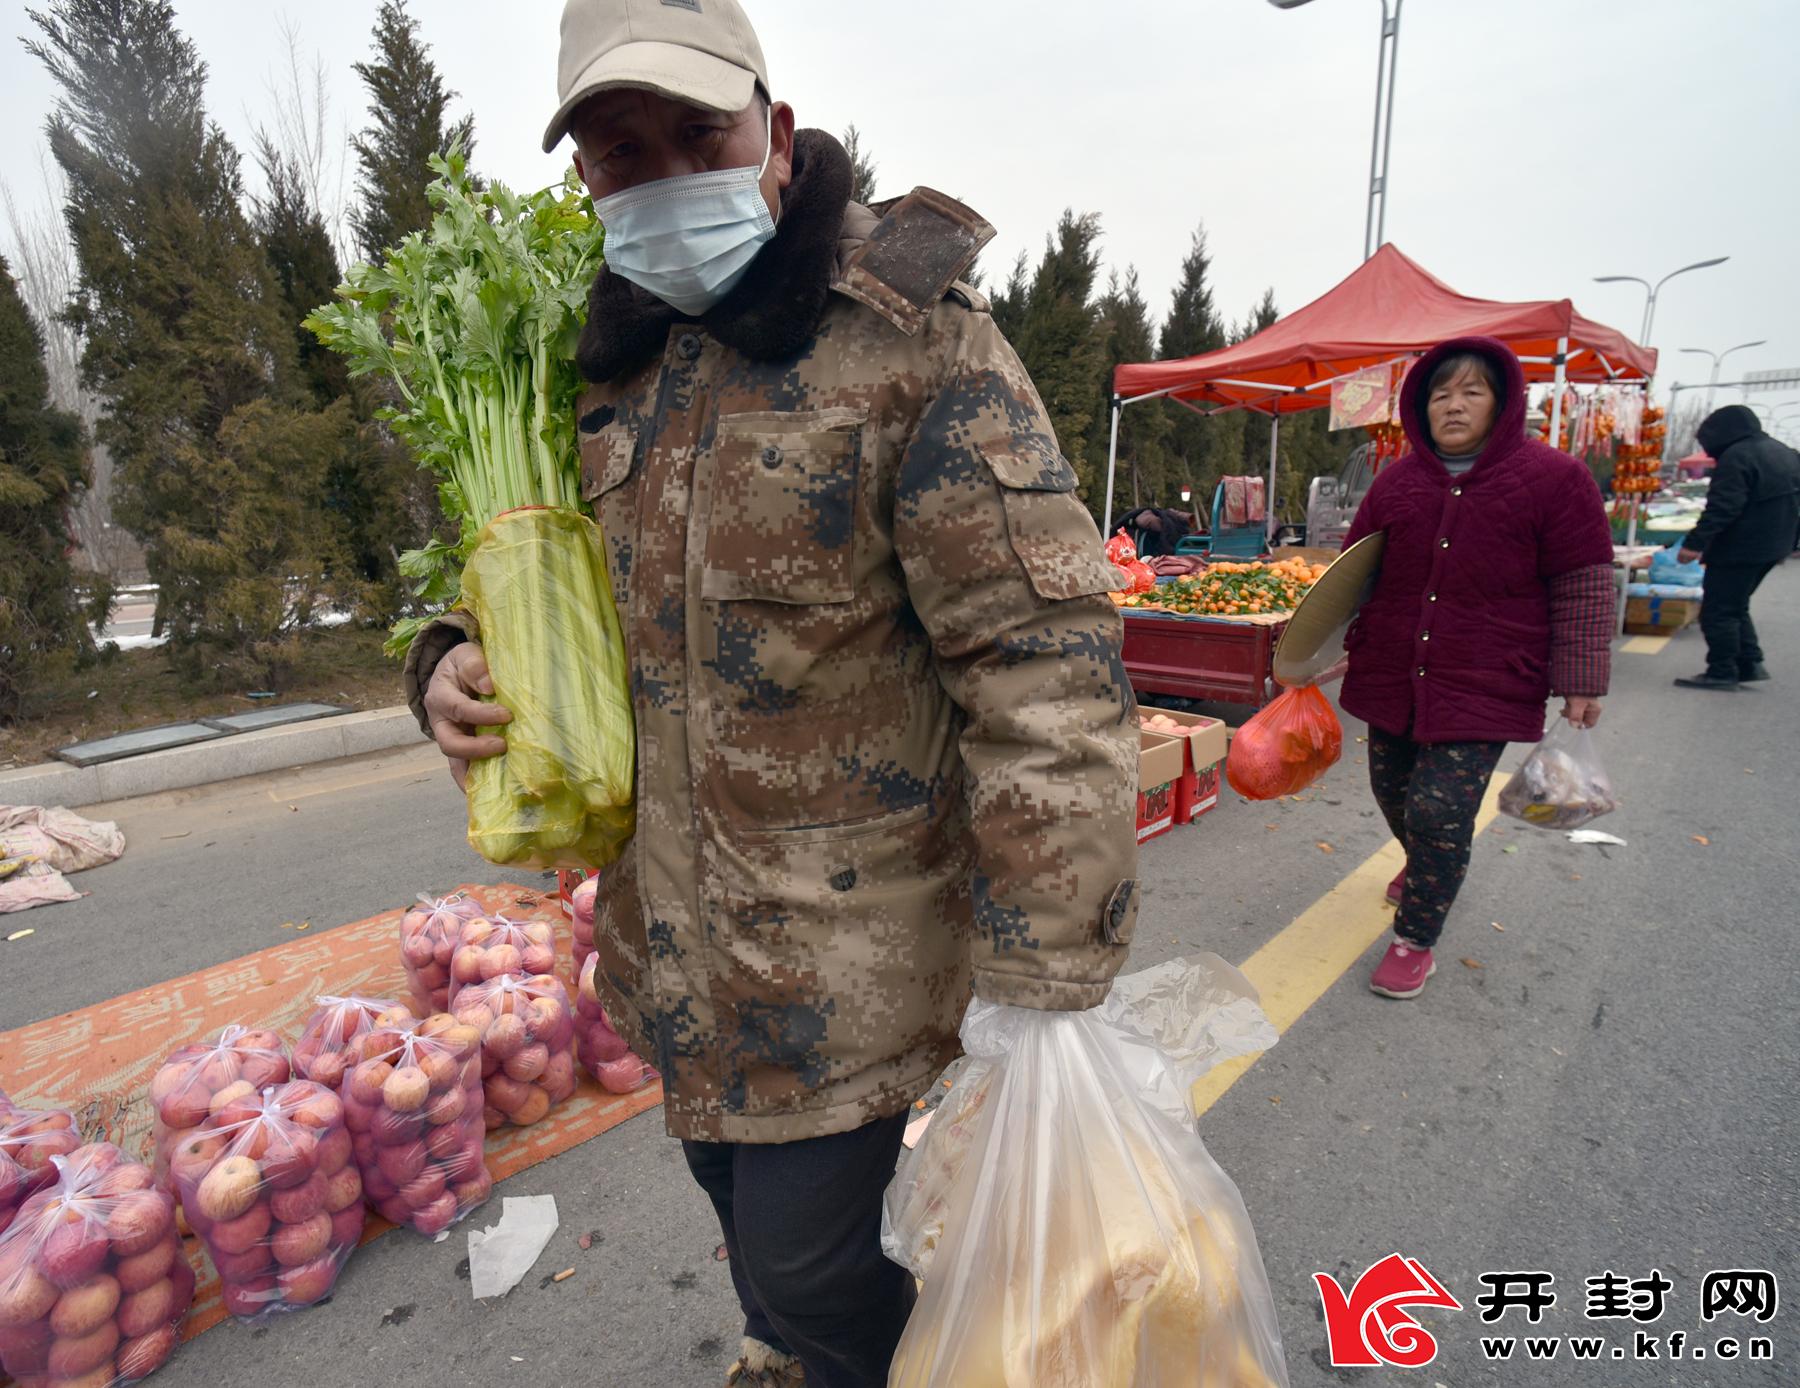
1650	616
566	883
1160	762
1198	789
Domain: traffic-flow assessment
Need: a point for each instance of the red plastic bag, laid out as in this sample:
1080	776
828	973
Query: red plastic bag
93	1283
1120	550
1286	747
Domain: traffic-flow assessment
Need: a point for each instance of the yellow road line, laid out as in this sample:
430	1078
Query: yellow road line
1645	645
1293	970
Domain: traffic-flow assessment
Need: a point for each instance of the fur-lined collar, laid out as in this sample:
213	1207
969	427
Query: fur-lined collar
774	310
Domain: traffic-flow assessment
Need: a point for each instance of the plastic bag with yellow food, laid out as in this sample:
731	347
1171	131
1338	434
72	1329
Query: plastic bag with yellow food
563	794
1071	1229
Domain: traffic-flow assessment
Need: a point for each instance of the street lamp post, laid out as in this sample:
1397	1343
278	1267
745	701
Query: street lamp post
1381	143
1717	358
1651	290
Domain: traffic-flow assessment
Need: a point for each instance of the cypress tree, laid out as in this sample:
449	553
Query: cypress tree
1146	473
862	167
409	121
1061	342
1204	449
184	330
43	467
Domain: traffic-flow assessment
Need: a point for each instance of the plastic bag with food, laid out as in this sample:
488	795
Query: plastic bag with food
1562	784
412	1103
603	1053
429	934
1285	747
489	946
200	1078
527	1032
1071	1228
29	1138
268	1185
322	1053
563	795
93	1281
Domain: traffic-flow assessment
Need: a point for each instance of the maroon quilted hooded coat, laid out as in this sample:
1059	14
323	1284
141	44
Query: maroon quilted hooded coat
1454	643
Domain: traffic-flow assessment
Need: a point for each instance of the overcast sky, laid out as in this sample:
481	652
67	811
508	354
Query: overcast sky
1537	143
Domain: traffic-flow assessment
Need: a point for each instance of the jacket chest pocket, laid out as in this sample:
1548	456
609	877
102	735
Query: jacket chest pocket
608	459
784	507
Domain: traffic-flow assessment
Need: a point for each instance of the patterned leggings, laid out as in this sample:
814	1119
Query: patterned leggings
1429	793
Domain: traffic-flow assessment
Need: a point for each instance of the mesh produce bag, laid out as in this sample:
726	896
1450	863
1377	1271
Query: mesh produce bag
1285	747
562	795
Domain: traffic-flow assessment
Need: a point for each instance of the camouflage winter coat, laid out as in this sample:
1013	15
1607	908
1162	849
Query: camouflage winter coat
885	738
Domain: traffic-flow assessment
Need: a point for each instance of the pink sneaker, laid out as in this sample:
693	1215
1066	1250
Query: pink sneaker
1397	886
1402	971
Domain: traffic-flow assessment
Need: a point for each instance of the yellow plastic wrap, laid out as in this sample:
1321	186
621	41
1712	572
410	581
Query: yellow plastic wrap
563	795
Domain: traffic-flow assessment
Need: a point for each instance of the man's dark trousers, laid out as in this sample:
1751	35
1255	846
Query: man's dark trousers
1731	645
802	1225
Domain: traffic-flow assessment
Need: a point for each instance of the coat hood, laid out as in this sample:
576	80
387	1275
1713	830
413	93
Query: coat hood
1724	427
1509	422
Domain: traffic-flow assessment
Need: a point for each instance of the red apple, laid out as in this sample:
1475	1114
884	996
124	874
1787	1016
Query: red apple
436	1217
70	1358
400	1164
244	1267
140	1270
25	1349
230	1188
299	1203
292	1158
306	1283
74	1252
142	1312
245	1232
342	1190
423	1188
295	1244
248	1299
139	1220
335	1149
347	1228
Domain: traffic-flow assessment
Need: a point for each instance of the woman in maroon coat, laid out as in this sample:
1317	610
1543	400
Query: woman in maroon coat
1496	591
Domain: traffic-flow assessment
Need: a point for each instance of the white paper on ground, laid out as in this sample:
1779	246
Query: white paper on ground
1594	836
502	1253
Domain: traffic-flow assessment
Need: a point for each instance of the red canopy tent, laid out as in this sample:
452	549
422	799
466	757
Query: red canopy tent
1389	308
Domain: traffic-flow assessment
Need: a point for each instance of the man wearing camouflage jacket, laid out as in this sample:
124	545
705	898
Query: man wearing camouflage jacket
886	746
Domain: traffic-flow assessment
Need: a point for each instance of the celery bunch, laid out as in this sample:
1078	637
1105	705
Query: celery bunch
473	324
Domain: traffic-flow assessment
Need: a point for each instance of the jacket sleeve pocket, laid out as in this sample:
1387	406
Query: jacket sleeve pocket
1051	533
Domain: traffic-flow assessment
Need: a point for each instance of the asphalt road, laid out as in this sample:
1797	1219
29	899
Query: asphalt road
1610	1083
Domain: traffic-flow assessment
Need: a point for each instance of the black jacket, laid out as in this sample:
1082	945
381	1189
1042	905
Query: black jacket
1752	511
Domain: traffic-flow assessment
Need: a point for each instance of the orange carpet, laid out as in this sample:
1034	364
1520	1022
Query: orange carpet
98	1061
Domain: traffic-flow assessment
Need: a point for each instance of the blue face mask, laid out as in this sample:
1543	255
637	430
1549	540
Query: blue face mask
689	239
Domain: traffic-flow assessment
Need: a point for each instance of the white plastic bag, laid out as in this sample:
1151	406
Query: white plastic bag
1562	784
1071	1228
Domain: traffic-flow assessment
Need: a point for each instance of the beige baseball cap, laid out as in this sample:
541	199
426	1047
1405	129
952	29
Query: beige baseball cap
703	52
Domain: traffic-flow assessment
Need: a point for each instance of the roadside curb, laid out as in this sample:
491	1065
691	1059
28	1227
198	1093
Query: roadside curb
223	759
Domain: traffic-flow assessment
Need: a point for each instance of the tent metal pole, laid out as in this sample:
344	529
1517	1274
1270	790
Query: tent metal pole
1269	500
1112	463
1558	383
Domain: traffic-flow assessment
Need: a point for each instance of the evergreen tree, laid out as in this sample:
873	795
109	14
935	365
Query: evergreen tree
1146	473
862	168
1204	449
306	271
1254	452
1061	341
1008	303
408	110
183	325
43	467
